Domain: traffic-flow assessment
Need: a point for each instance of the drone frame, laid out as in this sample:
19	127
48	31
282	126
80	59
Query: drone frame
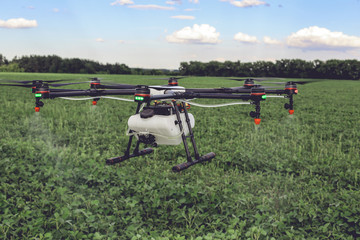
177	96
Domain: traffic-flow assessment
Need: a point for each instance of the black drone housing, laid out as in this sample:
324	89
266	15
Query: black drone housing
142	94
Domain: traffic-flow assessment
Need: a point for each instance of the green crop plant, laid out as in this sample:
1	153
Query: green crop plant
291	178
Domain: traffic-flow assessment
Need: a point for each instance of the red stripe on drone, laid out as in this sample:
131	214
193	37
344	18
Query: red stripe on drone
143	95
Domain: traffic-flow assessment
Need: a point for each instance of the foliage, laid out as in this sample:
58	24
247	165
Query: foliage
287	68
56	64
12	67
292	178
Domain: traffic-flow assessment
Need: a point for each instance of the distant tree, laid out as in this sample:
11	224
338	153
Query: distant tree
184	69
3	60
197	68
213	68
287	68
11	67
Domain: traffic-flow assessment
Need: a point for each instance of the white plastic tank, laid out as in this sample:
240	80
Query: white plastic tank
164	128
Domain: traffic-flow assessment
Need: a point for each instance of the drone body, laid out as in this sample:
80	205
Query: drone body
159	125
161	116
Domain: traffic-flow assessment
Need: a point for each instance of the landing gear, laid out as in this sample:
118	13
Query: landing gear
190	161
178	109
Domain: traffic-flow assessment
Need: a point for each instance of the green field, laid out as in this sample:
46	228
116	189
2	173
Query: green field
292	178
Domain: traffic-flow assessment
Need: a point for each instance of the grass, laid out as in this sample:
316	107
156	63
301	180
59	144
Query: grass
292	178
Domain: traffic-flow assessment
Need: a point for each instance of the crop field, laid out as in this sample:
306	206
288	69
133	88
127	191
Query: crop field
293	177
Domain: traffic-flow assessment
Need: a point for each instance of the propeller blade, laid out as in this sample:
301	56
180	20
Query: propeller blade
238	79
269	87
14	81
296	82
244	79
268	78
15	85
36	80
279	83
305	82
254	79
60	80
170	78
64	84
121	86
111	85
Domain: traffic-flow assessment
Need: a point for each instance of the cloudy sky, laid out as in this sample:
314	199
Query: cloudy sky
163	33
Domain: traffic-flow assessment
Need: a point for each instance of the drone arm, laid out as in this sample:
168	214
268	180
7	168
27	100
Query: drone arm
117	92
91	92
209	90
218	90
191	95
277	91
233	90
219	96
122	86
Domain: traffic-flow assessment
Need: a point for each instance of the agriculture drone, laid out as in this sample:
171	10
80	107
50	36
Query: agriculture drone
161	116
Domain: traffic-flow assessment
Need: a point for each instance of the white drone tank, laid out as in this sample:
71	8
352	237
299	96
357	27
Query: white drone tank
164	128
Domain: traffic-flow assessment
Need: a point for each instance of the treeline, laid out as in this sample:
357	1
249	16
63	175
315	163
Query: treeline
56	64
287	68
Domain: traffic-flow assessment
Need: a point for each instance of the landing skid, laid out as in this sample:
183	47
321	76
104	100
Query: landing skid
112	161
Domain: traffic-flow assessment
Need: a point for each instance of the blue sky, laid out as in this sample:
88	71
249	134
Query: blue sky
163	33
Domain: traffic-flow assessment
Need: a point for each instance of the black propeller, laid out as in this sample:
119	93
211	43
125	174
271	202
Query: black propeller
293	82
64	84
169	78
16	85
32	81
249	79
39	83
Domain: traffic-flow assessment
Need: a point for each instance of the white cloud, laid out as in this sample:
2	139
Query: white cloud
56	10
198	34
189	9
183	17
270	41
151	6
122	2
242	37
220	59
245	3
321	38
194	1
99	40
18	23
173	2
